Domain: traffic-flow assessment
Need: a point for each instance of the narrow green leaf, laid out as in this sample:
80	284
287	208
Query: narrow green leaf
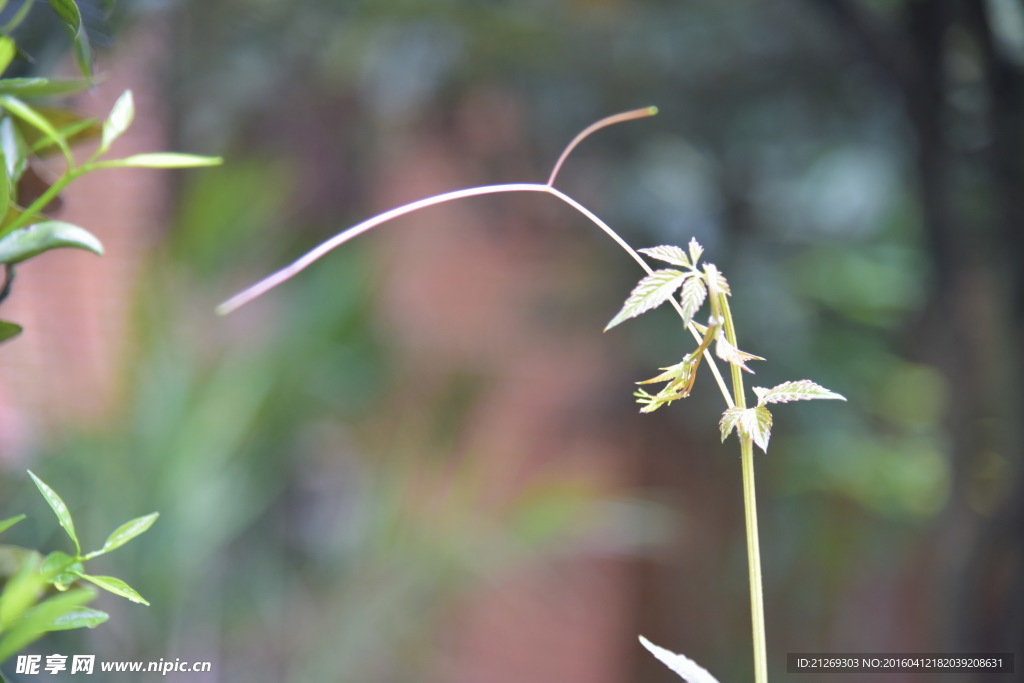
59	509
14	148
80	617
128	531
9	522
115	586
799	390
32	240
37	121
695	251
160	160
21	590
68	12
692	297
39	87
652	291
83	53
9	330
15	21
669	254
77	131
119	120
7	52
688	670
730	418
41	619
757	423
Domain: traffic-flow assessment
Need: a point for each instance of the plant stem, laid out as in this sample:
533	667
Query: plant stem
31	212
749	511
754	561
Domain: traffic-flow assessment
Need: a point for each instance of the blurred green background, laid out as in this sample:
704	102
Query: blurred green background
420	460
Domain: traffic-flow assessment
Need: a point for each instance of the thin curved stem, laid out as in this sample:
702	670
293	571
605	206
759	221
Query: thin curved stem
321	250
593	128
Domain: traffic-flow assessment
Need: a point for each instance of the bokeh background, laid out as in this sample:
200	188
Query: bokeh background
421	460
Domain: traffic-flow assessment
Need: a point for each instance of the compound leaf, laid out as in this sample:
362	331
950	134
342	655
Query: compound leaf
652	291
800	390
669	254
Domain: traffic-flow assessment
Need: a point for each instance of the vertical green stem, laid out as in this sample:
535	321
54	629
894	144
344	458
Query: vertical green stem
749	509
754	562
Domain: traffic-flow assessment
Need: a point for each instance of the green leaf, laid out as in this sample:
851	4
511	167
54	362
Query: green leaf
716	281
692	297
68	12
41	619
21	591
757	422
60	569
160	160
80	617
10	521
39	87
128	531
800	390
59	509
7	52
653	290
8	330
670	254
115	586
695	251
730	354
119	120
15	150
36	120
687	669
15	21
32	240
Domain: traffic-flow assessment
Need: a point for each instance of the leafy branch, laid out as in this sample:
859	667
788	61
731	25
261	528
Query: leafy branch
24	616
688	288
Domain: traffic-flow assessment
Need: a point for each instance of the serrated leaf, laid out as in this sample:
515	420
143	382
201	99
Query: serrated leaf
9	522
716	281
757	422
128	531
161	160
59	509
652	291
677	371
688	670
696	251
669	254
118	121
115	586
81	617
799	390
730	354
9	330
730	418
32	240
692	297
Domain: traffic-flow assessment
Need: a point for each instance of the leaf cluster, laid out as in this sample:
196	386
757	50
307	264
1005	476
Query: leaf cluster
30	131
696	285
28	607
